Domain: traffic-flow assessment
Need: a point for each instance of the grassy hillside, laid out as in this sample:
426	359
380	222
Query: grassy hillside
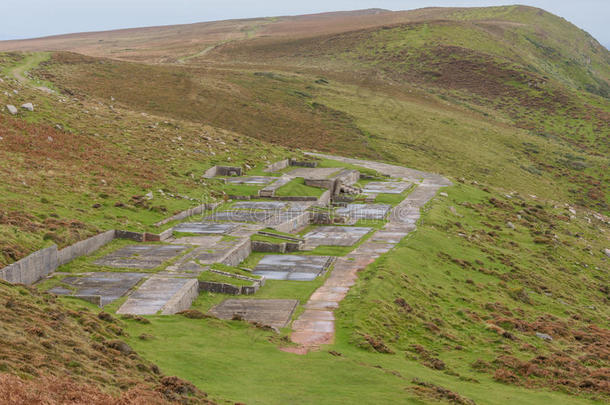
500	295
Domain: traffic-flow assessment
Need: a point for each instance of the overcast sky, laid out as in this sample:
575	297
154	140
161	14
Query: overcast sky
35	18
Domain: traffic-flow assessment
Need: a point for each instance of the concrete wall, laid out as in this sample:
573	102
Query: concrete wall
221	288
84	247
239	254
294	224
135	236
324	199
328	184
222	171
259	246
183	299
189	213
308	163
277	166
32	268
153	237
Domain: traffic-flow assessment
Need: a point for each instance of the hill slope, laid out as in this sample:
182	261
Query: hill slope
511	103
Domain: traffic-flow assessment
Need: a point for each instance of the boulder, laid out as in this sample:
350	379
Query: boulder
544	336
510	225
12	109
28	106
607	252
443	194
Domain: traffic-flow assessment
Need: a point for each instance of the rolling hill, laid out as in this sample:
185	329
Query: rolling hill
511	103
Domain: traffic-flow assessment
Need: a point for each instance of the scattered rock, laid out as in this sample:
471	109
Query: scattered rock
50	138
120	346
607	252
149	195
510	225
12	109
443	194
544	336
28	106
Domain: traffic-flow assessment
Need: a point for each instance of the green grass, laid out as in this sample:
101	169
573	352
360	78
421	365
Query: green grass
415	272
297	187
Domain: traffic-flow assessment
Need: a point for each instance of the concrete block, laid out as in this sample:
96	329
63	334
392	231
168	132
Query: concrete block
84	247
31	268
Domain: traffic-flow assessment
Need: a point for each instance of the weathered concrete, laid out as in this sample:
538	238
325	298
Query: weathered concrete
161	294
364	211
84	247
204	228
141	256
200	209
261	205
268	247
315	326
277	166
229	252
222	171
32	268
292	267
318	173
291	221
386	187
253	180
241	216
108	286
274	313
335	236
269	191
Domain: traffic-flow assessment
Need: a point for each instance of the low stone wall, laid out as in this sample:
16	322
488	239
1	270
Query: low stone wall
239	254
328	184
306	163
277	166
294	224
84	247
153	237
268	247
189	213
294	198
220	288
135	236
324	199
293	247
222	171
32	268
183	299
321	218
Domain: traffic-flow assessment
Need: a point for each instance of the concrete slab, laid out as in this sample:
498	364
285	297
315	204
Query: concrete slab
109	286
240	216
153	295
385	187
292	267
315	173
260	205
274	313
364	211
141	256
201	241
336	235
204	228
253	180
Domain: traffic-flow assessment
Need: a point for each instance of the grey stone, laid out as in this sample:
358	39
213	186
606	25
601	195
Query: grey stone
161	294
385	187
544	336
510	225
240	216
204	228
28	106
292	267
141	256
335	235
274	313
607	252
250	180
12	109
364	211
109	286
443	194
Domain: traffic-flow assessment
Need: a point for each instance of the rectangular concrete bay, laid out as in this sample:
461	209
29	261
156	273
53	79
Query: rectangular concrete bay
153	295
364	211
250	180
292	267
240	216
385	187
109	286
336	235
141	256
204	228
274	313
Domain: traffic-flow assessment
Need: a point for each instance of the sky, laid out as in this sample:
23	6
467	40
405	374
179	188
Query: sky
36	18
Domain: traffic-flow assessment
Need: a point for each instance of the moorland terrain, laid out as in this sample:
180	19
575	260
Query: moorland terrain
500	295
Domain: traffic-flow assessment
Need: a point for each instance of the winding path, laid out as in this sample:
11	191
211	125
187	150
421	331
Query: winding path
316	325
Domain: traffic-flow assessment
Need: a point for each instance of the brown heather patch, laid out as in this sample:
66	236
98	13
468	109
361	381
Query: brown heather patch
73	356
